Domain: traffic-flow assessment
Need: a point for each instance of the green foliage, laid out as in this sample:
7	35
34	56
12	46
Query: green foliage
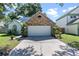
56	31
4	9
4	5
4	51
24	30
12	37
61	4
67	38
1	16
12	15
9	32
28	9
74	44
5	40
71	40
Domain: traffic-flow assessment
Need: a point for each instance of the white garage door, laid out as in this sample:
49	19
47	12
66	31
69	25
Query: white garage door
39	30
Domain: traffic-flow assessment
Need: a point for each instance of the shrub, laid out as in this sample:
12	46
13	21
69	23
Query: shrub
24	30
9	32
63	30
4	51
12	37
74	44
56	31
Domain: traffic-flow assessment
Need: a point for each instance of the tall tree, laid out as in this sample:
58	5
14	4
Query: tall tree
28	9
13	15
61	4
3	8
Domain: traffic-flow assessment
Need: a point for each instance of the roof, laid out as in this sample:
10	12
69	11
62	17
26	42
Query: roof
43	15
23	19
73	21
15	21
67	13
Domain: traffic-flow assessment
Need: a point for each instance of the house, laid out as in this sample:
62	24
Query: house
39	25
2	27
15	24
70	21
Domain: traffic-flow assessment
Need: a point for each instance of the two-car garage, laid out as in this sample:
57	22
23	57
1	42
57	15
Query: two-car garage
39	25
39	30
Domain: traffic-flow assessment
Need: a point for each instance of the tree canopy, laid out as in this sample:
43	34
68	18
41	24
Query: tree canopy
3	8
28	9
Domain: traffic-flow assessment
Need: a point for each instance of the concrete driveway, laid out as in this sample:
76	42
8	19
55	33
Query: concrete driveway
38	46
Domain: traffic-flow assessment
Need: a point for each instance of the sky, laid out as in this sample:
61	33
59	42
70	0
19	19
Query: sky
54	11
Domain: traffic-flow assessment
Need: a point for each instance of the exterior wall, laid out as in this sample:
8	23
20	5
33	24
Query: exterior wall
43	20
17	24
62	22
72	29
77	21
69	19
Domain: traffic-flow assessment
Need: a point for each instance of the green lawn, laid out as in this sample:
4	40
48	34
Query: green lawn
69	38
5	40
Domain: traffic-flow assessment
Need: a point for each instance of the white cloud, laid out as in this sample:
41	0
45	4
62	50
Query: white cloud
64	10
68	9
56	9
52	12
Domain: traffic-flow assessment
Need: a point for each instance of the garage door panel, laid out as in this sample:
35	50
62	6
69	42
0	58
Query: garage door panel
39	30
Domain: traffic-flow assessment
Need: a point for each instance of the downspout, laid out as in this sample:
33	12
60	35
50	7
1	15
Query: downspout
66	25
78	28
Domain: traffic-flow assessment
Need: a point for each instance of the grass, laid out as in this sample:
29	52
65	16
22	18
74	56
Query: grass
5	40
69	38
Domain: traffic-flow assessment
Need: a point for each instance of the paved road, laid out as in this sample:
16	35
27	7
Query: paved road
37	46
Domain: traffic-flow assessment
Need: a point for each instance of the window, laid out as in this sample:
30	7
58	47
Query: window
39	16
72	16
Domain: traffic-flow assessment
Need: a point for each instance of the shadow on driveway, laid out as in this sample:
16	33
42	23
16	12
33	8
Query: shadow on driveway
66	51
40	38
29	51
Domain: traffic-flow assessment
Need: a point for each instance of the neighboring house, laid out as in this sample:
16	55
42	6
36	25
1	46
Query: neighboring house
15	23
2	27
70	21
39	25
